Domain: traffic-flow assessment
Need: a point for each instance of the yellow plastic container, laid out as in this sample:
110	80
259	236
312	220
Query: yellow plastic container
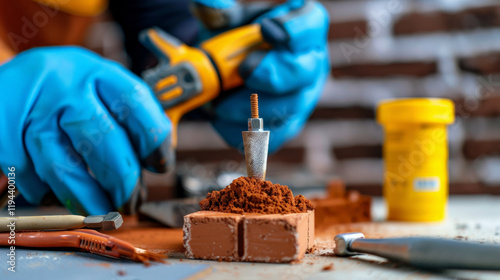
416	157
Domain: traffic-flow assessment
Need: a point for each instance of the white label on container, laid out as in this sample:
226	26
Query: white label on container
426	184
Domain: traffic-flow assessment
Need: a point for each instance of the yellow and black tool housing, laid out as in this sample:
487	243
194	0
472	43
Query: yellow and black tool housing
188	77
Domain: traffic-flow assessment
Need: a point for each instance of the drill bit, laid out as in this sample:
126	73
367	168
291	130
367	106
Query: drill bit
256	142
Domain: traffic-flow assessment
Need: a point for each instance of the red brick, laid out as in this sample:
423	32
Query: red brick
414	69
358	151
474	149
414	23
482	64
486	107
350	112
438	21
347	29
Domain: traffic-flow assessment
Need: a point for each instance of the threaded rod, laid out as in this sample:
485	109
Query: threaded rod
254	103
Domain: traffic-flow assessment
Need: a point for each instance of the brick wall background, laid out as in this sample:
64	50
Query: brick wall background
382	49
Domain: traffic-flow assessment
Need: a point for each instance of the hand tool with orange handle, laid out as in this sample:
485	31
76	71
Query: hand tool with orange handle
86	240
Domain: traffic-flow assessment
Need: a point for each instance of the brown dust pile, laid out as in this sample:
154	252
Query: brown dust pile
249	195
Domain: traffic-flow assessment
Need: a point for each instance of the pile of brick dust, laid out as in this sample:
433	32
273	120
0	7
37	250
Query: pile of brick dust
249	195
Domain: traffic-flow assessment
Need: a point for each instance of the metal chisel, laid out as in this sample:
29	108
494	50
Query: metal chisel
423	252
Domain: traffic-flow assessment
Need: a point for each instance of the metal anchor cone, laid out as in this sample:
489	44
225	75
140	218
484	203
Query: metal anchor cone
256	145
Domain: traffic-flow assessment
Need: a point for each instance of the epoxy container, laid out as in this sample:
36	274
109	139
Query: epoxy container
416	157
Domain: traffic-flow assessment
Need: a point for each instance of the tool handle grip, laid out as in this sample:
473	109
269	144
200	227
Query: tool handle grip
433	253
42	239
163	45
41	222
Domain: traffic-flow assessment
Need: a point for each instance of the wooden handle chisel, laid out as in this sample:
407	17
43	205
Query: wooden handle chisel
112	220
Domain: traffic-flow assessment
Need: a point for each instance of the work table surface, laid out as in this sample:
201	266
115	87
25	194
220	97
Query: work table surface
474	218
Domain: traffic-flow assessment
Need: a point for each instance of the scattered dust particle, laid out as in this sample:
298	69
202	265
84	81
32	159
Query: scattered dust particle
458	237
327	267
98	264
219	259
181	260
121	273
69	254
310	263
311	250
395	265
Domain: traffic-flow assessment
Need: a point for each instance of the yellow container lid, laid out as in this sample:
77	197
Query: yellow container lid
416	110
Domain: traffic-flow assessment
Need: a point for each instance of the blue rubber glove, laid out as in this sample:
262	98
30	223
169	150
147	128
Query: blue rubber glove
289	78
65	110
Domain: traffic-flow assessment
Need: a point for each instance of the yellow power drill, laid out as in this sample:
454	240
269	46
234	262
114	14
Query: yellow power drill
188	77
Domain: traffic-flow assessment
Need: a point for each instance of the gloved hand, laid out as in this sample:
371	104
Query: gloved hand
65	110
289	78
